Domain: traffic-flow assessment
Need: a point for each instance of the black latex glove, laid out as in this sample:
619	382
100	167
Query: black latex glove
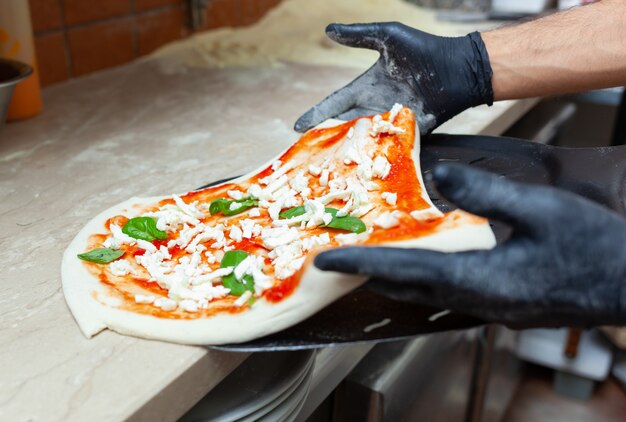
437	77
565	264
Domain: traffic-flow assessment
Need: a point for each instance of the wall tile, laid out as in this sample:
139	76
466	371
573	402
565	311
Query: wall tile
141	5
51	58
45	14
249	11
235	13
222	13
253	10
270	4
101	45
156	29
106	33
81	11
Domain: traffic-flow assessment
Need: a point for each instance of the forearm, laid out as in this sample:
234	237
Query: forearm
571	51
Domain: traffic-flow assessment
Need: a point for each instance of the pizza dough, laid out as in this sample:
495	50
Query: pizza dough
95	309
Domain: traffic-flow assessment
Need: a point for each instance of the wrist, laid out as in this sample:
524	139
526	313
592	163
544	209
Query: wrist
495	51
570	51
461	78
517	72
481	69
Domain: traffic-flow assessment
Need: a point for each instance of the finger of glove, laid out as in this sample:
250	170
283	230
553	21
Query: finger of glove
361	35
356	112
335	104
488	195
454	280
400	292
418	266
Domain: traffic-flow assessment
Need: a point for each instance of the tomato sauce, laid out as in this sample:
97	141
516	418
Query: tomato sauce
407	229
329	142
207	194
283	289
118	220
248	245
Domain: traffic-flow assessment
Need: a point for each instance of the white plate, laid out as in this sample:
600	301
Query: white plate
291	403
296	411
257	382
276	402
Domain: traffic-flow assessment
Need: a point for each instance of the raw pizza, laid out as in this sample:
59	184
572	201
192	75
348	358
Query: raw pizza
233	262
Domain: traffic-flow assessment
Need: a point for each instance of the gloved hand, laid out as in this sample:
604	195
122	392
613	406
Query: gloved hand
565	264
437	77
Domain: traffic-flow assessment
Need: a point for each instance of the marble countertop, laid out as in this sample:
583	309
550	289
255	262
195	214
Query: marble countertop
135	130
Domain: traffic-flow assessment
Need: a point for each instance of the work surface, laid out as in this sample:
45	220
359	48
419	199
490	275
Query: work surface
136	130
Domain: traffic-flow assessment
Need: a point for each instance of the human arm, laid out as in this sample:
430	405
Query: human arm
438	77
571	51
565	263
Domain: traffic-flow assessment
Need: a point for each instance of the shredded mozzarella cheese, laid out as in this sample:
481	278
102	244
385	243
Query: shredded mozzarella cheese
426	214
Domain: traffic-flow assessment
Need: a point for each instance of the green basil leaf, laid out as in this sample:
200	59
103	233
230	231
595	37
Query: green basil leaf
292	212
298	211
348	222
233	258
143	228
222	205
237	287
101	255
218	205
244	204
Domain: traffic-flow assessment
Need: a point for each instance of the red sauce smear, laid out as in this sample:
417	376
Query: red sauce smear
284	289
118	220
151	286
407	229
248	245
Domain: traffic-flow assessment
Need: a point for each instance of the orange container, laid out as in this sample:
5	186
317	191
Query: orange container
16	43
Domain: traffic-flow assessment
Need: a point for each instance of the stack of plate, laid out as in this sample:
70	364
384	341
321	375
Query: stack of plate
266	387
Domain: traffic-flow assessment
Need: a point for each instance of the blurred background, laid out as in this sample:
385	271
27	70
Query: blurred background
115	78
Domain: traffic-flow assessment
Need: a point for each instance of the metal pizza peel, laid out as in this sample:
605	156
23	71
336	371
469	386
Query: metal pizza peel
363	316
